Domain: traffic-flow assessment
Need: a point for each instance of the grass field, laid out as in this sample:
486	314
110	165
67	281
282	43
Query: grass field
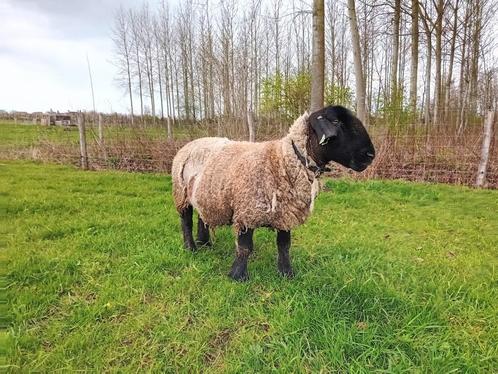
390	277
18	135
12	134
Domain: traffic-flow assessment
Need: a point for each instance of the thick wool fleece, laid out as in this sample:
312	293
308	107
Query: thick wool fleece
245	184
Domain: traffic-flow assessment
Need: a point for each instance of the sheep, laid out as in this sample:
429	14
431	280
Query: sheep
268	184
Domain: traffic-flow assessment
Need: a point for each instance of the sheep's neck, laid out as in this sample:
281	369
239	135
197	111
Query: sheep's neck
311	147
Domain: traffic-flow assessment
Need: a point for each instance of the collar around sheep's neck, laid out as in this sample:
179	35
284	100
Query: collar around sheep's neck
309	163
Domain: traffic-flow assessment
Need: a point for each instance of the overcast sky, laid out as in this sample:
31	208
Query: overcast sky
43	49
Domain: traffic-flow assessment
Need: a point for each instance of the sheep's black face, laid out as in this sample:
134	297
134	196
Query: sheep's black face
341	137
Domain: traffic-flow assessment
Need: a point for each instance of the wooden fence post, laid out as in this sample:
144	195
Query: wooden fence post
83	149
101	130
250	125
170	134
103	151
485	148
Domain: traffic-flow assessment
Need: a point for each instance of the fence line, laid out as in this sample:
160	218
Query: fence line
418	154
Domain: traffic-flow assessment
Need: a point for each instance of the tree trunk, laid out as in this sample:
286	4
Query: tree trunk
451	62
318	62
276	17
486	144
160	84
359	81
250	125
332	27
414	58
474	56
122	39
462	97
130	91
170	133
140	90
428	68
438	58
395	52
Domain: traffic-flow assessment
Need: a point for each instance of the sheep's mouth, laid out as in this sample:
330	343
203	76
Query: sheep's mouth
359	166
361	161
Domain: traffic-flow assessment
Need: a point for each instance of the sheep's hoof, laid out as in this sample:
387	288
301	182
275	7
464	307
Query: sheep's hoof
239	275
190	247
203	243
287	273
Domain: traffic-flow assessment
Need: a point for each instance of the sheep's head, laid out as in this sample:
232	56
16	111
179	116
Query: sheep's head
337	135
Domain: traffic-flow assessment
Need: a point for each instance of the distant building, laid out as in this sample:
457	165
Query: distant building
36	117
59	119
21	117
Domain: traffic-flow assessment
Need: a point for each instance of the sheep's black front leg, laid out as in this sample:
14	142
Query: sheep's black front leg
283	244
242	252
186	219
202	233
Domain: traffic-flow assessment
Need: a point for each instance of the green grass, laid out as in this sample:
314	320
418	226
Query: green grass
14	135
390	276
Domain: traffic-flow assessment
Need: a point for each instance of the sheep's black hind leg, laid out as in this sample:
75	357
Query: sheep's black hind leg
242	252
202	233
186	219
283	244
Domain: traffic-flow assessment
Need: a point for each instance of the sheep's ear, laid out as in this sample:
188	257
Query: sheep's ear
324	129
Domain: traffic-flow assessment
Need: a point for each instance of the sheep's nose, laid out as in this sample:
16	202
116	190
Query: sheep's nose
370	155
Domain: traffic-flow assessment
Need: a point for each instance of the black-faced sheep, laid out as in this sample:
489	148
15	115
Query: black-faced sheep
268	184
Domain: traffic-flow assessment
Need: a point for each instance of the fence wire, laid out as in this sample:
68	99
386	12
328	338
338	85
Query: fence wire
412	153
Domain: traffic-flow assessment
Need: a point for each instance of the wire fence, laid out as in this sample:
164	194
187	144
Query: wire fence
415	153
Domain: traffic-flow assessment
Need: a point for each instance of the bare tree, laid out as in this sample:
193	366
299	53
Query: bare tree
226	61
146	38
165	45
331	40
318	60
438	26
414	56
158	58
449	77
428	27
122	45
359	80
199	61
395	50
135	27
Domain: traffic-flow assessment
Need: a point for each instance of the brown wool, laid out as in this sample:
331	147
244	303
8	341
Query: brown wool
245	184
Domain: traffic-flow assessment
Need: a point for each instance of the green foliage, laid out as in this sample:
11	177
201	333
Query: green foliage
394	112
286	98
297	94
289	98
390	277
272	94
338	95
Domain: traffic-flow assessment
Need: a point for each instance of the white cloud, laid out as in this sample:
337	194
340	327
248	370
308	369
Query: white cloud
41	68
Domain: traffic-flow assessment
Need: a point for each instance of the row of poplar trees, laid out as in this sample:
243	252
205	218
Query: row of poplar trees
427	61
